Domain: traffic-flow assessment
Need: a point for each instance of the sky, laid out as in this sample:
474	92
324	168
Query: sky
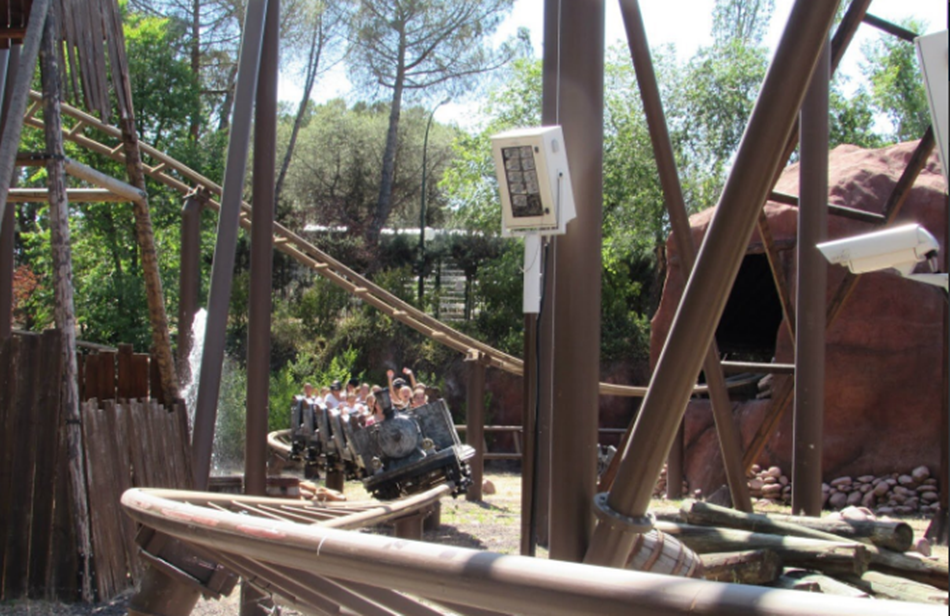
665	26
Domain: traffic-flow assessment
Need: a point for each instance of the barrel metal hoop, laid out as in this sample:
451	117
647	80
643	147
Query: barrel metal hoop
616	520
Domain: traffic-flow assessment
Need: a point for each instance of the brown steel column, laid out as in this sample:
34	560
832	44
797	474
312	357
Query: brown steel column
730	442
939	528
811	303
529	437
189	282
574	60
10	66
475	418
253	601
222	270
706	293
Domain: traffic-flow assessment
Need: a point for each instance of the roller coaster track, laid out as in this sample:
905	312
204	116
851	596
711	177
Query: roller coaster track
177	176
302	554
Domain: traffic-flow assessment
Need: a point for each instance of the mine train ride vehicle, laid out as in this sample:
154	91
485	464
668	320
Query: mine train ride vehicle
410	451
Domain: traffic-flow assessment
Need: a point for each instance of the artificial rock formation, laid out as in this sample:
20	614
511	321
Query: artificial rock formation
884	367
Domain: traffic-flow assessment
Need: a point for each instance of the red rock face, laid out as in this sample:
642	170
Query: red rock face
884	366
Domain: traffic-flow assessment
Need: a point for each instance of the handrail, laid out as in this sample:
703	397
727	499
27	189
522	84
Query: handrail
294	246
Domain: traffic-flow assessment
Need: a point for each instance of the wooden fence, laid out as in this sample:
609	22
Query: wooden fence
129	440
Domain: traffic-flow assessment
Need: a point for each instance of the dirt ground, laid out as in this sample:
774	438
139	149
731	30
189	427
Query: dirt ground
493	525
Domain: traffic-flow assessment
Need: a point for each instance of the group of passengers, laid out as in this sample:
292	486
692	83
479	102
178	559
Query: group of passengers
360	400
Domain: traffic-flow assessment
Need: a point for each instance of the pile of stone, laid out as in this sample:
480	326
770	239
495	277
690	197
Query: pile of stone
915	493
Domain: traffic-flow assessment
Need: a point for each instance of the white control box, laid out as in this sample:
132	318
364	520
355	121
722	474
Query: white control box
536	193
935	63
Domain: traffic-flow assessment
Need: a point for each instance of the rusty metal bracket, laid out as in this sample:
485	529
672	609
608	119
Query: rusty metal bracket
617	521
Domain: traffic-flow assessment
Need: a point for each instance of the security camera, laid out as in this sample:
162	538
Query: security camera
900	248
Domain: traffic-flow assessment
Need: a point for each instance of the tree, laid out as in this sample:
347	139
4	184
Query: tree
422	48
897	85
746	21
326	21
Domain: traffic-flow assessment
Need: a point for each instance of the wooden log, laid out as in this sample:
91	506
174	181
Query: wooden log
931	572
831	558
64	312
827	585
706	514
896	536
785	582
755	568
899	589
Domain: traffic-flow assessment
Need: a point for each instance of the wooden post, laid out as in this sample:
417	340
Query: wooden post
10	140
65	316
475	413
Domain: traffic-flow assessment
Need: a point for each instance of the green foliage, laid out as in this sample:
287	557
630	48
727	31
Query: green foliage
897	86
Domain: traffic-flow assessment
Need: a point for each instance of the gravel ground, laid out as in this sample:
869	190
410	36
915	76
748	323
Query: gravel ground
494	525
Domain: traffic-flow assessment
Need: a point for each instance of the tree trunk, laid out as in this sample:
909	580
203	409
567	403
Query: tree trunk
224	121
895	536
384	204
827	585
831	558
65	316
899	589
145	236
195	60
313	66
754	568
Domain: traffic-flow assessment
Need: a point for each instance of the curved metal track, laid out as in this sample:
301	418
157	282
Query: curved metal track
316	566
174	174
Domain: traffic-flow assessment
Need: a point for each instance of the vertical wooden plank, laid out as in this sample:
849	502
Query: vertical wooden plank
106	376
125	382
140	376
184	447
48	415
98	478
91	378
20	522
9	360
141	469
156	392
122	435
116	472
81	376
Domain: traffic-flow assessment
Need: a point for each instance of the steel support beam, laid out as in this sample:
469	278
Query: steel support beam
757	163
260	303
730	441
10	65
475	418
811	293
574	64
222	271
939	528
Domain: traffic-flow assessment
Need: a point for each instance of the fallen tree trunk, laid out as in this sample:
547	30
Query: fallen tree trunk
827	585
832	558
899	589
786	582
755	568
896	536
921	570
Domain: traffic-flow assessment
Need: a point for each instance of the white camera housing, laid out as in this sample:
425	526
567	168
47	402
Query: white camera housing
901	248
537	196
933	51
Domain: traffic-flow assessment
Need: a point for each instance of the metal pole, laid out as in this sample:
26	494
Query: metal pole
253	601
578	71
730	442
222	271
529	437
10	65
422	208
189	281
938	533
717	266
475	418
812	291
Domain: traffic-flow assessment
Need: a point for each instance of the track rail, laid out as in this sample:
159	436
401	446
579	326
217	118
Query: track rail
177	176
309	563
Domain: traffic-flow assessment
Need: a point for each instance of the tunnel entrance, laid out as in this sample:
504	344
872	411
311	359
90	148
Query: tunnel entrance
749	326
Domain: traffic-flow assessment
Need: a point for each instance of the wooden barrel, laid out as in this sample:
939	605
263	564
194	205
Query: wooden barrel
655	552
